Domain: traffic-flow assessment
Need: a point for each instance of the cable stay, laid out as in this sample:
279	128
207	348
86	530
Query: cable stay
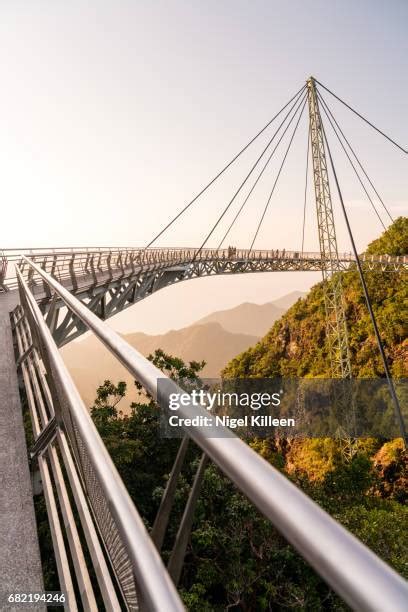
305	197
213	180
276	180
354	168
259	177
327	110
394	396
363	118
303	99
294	99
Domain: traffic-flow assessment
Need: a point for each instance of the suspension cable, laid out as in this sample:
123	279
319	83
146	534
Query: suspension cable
246	178
259	177
354	168
305	198
363	118
327	109
368	302
179	214
277	178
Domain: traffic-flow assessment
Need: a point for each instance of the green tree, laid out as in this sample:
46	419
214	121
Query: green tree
236	560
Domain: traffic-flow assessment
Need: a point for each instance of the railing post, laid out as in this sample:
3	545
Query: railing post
166	504
3	270
176	560
72	272
108	263
54	264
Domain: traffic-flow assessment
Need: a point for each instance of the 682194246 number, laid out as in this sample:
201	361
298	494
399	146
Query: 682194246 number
56	598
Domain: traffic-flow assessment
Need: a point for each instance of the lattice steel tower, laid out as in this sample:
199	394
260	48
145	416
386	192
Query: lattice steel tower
333	293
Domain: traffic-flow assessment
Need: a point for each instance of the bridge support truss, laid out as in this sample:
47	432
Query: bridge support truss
333	293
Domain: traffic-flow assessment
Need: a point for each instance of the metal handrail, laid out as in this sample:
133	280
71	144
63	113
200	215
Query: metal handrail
165	256
363	580
158	591
16	254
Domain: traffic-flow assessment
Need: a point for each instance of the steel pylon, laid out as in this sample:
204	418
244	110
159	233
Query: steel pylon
336	326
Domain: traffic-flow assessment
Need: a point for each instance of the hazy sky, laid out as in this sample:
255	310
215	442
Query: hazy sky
113	114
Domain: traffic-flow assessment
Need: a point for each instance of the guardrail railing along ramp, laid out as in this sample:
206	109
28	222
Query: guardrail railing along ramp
99	264
97	530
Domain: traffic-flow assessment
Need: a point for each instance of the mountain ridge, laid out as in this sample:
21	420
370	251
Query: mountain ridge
256	319
90	363
209	342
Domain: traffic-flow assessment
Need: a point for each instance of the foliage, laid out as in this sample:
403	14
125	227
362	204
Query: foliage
235	559
391	464
314	457
382	527
142	456
394	241
296	344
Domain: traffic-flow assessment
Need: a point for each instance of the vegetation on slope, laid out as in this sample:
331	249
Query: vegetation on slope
296	344
235	559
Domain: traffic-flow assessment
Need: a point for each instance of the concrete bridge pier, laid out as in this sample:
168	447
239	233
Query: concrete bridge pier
20	564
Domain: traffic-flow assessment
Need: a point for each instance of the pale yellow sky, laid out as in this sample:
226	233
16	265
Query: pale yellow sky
113	114
180	305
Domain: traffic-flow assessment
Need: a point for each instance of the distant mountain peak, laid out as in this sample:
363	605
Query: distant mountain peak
251	318
216	339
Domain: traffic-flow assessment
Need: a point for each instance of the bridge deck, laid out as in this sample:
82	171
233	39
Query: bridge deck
110	280
20	565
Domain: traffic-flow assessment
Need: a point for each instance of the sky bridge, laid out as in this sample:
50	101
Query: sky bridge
101	545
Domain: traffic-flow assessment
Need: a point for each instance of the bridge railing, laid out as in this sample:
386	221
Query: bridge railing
63	427
358	576
69	265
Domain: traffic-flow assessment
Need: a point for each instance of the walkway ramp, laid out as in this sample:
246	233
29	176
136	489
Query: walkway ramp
20	566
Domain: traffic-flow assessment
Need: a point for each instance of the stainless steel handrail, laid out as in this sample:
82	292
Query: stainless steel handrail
15	254
168	256
363	580
158	591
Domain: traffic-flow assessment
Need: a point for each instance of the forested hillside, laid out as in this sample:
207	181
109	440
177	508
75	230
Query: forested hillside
296	346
